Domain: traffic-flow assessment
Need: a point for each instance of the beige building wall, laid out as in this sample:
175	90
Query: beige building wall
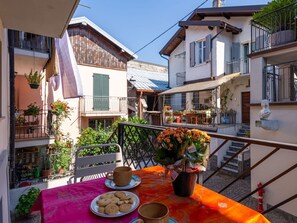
4	125
286	115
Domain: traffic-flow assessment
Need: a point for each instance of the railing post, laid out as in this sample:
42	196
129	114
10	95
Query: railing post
121	135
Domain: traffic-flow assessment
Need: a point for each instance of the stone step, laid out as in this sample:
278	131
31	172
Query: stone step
238	144
245	126
230	153
231	166
234	148
233	161
230	170
241	134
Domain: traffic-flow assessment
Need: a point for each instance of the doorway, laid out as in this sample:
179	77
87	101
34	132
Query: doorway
245	107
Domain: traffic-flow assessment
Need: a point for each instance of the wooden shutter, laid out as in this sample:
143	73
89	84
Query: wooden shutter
100	92
207	48
192	54
235	51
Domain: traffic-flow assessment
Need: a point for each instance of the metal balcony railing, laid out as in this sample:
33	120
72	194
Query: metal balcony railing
33	42
274	28
237	66
91	104
139	143
280	82
33	126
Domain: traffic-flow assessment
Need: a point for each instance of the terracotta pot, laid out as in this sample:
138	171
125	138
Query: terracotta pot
46	173
184	184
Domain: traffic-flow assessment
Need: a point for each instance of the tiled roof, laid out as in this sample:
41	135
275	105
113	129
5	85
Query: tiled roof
148	80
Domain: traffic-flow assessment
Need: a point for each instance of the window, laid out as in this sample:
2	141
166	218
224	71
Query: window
245	58
104	123
180	78
280	82
200	51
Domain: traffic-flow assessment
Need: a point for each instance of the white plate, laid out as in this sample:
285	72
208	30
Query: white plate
94	206
135	181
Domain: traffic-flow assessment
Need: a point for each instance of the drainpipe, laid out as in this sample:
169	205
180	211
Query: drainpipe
11	109
140	105
167	68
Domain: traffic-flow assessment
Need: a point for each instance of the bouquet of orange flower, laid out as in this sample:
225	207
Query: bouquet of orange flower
60	108
183	149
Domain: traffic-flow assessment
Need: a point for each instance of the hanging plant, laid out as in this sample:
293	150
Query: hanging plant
34	79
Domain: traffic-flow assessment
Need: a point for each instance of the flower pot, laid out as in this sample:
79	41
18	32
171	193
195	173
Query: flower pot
184	184
34	86
46	173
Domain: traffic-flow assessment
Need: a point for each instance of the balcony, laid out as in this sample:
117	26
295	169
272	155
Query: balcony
31	51
237	66
280	82
32	126
274	29
103	106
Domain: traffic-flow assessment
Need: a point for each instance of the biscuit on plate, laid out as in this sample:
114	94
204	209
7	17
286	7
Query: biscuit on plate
111	209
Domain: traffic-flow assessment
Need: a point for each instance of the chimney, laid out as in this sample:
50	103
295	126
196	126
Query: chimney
217	3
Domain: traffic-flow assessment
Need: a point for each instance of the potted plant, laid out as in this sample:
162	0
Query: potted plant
34	79
185	153
32	109
225	97
47	171
26	201
278	23
178	113
169	120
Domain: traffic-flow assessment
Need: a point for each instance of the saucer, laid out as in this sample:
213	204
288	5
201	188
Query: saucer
135	181
171	220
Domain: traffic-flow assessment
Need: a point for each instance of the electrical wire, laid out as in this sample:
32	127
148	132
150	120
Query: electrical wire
149	43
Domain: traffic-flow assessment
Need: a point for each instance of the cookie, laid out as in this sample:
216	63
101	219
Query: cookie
125	207
131	200
107	196
114	200
111	209
104	202
101	209
120	194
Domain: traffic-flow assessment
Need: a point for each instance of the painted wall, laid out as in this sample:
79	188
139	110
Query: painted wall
281	160
4	125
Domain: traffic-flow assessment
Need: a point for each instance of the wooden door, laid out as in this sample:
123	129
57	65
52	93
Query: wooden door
245	107
100	92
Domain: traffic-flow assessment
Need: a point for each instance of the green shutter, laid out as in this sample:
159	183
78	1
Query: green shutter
100	92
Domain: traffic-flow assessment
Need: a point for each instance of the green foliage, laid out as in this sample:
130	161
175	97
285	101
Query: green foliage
284	16
26	202
32	109
225	96
34	78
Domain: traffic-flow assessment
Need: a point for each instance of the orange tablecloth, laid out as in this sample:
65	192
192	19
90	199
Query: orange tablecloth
204	205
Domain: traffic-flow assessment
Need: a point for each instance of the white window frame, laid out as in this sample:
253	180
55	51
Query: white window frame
200	48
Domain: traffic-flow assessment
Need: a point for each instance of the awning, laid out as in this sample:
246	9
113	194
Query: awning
201	86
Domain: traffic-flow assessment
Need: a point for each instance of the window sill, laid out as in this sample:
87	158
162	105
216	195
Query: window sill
199	65
2	118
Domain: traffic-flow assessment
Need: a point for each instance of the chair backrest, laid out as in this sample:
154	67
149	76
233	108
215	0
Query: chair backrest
95	166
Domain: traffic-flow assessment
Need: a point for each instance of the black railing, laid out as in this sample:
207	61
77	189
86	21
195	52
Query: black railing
280	82
274	28
33	42
139	144
33	126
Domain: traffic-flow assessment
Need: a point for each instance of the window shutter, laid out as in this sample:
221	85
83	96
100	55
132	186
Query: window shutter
207	47
192	54
235	51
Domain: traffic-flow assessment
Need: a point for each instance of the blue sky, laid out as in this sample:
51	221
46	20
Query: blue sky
136	22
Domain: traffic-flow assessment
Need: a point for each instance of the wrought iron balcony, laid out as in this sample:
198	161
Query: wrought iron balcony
274	29
280	82
103	105
33	42
33	126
